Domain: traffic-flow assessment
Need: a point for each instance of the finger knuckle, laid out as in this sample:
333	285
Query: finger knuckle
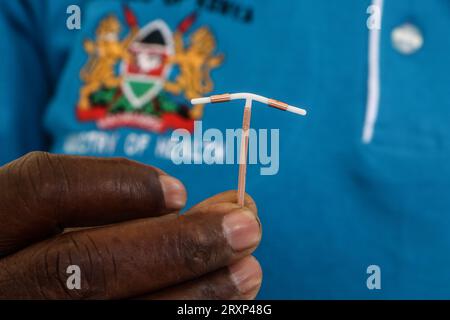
58	262
50	273
33	171
200	248
24	179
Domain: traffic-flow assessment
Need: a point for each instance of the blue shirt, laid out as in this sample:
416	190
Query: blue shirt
336	205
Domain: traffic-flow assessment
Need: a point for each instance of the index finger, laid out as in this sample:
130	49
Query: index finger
43	193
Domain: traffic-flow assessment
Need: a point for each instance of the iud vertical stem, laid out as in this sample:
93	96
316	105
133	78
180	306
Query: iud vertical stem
244	151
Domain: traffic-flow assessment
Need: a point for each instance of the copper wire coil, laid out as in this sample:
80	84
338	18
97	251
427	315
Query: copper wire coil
278	104
220	98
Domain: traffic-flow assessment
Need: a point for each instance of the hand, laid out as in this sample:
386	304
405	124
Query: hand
129	242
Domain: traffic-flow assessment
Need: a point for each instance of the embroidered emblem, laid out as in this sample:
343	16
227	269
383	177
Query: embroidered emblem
131	82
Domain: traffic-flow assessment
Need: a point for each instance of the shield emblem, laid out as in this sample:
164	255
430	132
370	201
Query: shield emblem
144	74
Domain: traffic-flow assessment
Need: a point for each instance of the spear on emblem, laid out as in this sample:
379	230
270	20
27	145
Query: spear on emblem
132	23
187	22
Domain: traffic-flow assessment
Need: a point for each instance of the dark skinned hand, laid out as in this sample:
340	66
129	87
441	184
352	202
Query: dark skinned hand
118	221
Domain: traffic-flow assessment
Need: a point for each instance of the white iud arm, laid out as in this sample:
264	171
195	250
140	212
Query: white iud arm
249	96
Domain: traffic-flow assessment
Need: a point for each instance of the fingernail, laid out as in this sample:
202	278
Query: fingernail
246	276
174	192
241	230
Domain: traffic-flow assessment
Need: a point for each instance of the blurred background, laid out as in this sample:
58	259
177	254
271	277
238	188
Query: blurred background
363	180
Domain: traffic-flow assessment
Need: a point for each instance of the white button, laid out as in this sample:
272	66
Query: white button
407	38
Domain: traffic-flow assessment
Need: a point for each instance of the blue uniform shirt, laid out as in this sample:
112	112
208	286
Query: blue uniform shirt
337	205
